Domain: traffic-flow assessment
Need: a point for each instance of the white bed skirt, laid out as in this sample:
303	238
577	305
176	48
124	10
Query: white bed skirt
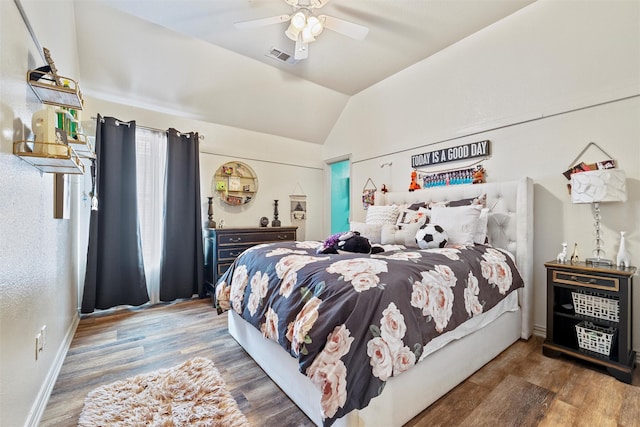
404	396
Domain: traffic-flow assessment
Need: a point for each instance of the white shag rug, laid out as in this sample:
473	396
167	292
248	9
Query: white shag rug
191	394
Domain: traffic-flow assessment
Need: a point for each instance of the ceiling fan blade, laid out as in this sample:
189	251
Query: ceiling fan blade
255	23
301	50
349	29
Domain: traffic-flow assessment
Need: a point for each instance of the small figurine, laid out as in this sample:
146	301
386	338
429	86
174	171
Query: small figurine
478	175
574	256
562	256
384	189
414	181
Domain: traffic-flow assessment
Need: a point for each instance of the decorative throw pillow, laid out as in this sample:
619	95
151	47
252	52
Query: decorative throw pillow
431	236
392	235
480	236
434	204
382	214
480	200
417	205
409	216
370	231
461	222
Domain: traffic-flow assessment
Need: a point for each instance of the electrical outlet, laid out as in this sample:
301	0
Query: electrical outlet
38	344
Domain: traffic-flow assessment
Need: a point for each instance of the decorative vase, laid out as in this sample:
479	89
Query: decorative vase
211	223
275	222
624	258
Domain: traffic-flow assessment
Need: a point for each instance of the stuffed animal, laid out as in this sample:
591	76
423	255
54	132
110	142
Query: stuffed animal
414	181
350	241
330	242
478	175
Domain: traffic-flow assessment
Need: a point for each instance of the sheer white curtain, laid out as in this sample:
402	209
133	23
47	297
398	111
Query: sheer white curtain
151	161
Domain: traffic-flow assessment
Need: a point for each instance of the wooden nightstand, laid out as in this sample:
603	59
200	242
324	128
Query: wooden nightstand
223	245
589	315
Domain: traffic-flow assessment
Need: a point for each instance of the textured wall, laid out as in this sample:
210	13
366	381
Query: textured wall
37	279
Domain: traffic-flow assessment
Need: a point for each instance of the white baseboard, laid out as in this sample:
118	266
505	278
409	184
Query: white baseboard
539	331
47	387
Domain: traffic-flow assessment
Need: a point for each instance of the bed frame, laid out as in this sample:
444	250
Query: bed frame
510	227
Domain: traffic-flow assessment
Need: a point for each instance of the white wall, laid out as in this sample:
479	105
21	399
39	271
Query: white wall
37	273
540	84
279	163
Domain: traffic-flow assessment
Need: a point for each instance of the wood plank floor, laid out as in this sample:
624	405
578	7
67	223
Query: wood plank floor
521	387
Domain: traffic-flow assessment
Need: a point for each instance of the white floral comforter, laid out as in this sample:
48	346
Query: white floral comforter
355	320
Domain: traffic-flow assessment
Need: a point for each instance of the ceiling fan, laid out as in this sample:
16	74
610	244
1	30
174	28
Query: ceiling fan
305	26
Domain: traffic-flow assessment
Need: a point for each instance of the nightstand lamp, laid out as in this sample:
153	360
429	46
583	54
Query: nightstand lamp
595	187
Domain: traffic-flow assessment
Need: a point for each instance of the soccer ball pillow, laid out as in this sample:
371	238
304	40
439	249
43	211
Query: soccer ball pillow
431	236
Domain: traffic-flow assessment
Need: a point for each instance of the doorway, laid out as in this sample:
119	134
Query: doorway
340	195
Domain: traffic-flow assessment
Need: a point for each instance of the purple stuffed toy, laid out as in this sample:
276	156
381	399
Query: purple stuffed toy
330	242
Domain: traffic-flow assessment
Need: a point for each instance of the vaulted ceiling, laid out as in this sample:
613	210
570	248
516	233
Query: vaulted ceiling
187	57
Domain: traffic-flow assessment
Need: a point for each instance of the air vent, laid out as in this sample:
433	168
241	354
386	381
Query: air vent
280	55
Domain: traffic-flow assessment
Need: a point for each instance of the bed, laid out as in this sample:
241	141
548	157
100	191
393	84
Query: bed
436	367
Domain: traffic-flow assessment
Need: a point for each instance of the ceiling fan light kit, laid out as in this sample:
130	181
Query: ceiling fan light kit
304	26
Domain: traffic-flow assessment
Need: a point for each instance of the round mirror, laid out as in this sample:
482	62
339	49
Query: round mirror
235	183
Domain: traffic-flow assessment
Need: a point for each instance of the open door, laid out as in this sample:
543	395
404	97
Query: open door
340	195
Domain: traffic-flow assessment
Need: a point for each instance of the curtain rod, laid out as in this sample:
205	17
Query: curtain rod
120	122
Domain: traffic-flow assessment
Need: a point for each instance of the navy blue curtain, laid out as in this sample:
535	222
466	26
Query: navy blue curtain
182	264
115	270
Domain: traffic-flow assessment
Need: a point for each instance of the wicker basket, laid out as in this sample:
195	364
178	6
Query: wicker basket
598	306
595	338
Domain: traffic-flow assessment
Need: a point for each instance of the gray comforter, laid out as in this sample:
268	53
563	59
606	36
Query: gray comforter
354	320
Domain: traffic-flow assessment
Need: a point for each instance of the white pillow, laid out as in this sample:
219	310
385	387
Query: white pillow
460	222
392	235
382	214
480	236
370	231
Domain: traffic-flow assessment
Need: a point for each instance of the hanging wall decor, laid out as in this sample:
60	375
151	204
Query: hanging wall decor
368	194
472	175
235	183
461	152
298	206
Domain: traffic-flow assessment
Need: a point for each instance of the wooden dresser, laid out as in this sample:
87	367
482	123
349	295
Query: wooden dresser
223	245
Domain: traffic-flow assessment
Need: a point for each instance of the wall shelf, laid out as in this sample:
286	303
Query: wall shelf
49	157
83	146
49	92
235	183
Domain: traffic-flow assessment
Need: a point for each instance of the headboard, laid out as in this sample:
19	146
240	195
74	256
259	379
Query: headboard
510	224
